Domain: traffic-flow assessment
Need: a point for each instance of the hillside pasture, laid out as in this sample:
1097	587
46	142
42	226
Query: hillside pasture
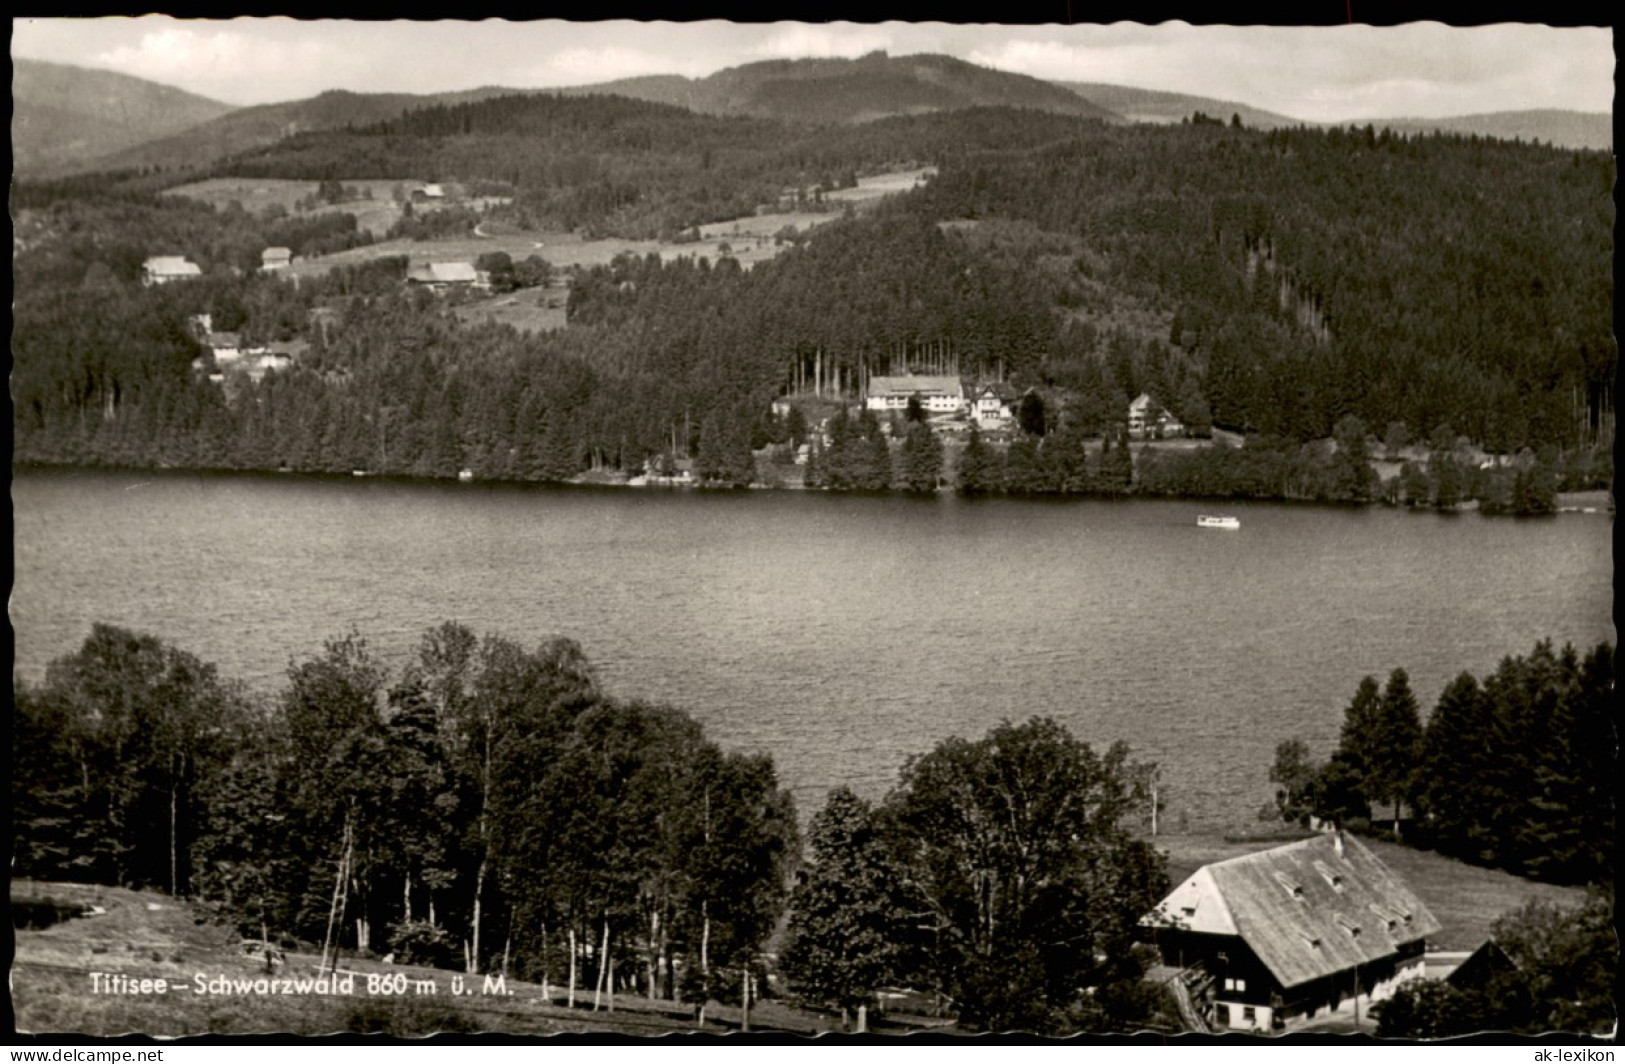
877	185
528	309
257	194
143	935
750	239
561	249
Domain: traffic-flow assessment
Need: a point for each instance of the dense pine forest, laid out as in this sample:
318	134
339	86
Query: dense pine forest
1514	771
490	808
1294	286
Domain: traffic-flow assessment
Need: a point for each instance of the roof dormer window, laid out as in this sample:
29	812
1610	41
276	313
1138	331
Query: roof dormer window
1389	916
1289	885
1347	925
1334	879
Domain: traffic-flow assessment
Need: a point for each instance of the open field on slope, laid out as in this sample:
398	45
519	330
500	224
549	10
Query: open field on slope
527	309
749	240
145	936
257	194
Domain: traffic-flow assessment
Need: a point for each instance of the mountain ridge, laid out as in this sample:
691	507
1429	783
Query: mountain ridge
62	113
873	86
1558	127
61	122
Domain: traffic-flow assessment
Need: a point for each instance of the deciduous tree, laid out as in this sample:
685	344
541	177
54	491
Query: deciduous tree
1017	842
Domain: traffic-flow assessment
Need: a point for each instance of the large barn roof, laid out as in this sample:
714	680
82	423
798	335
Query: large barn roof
1307	909
443	273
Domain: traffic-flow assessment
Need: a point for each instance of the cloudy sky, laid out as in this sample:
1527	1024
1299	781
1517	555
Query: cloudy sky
1314	73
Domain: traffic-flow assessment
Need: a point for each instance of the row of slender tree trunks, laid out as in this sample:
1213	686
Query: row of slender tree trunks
835	378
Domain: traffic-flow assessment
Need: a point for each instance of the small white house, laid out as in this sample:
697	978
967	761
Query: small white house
266	361
1147	417
163	269
990	407
272	259
227	347
937	395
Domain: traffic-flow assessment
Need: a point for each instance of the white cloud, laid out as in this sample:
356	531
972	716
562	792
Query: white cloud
587	66
841	40
1127	63
224	64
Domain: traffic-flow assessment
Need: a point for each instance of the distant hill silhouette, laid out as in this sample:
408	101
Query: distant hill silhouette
1561	129
851	90
63	116
1150	105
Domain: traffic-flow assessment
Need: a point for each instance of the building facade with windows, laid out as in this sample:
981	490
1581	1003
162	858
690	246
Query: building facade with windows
938	395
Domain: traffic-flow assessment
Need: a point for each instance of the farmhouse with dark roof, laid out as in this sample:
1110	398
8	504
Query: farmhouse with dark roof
1274	937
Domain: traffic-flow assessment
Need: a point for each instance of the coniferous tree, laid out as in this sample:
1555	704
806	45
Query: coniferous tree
876	471
921	459
1114	470
1457	750
1023	467
1444	470
849	915
1397	733
1352	475
1030	414
975	475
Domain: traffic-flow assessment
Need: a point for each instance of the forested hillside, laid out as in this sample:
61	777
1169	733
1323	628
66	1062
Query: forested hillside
1312	274
631	168
852	90
1276	283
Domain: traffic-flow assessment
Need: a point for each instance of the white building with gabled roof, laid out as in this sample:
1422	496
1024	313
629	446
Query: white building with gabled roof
162	269
937	395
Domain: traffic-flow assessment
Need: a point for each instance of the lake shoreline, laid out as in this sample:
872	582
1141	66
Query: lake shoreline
1595	501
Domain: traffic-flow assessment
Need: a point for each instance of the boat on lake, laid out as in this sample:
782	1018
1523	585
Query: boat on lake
1217	521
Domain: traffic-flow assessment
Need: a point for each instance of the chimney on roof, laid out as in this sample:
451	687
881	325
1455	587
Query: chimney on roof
1337	840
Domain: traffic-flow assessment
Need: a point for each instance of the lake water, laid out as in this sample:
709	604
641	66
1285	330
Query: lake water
839	634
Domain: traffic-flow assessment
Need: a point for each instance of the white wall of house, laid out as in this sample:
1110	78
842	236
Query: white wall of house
1236	1016
936	403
